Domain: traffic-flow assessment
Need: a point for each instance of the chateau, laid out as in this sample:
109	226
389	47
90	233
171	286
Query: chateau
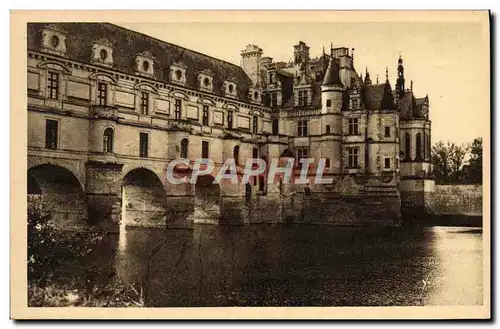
110	108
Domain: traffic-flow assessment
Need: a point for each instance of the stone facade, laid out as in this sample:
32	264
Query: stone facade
109	109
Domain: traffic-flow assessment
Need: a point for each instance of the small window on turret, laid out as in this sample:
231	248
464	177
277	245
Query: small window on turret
329	103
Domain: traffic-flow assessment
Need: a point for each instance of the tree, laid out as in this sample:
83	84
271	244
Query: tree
475	166
448	161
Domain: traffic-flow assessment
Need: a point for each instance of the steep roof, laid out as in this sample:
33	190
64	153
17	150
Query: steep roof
332	77
126	44
377	97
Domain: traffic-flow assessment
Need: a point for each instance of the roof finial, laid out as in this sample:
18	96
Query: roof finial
386	74
352	53
323	50
411	85
377	78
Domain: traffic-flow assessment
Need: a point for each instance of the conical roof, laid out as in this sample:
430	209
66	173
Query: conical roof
332	77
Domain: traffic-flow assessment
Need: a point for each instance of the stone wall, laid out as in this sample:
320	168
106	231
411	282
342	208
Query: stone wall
464	200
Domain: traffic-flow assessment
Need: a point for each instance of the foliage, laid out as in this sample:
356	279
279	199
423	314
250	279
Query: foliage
450	165
50	250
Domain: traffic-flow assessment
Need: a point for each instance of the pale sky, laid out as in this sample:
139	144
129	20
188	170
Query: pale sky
445	60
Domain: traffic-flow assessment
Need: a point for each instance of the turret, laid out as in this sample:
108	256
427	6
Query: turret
331	89
367	81
251	62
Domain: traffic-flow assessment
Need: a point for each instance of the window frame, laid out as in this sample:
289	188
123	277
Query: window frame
302	128
102	93
178	109
144	105
204	118
387	131
205	151
230	118
353	158
184	148
51	140
353	126
255	124
303	97
143	151
53	85
387	163
108	140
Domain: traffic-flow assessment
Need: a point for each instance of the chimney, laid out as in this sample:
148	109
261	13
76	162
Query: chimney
251	58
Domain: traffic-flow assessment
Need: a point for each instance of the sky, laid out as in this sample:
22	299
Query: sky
446	60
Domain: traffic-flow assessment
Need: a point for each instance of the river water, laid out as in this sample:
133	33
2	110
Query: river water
273	265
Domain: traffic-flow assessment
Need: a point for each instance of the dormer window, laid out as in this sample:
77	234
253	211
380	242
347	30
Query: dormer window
230	88
102	53
54	40
178	73
255	95
205	80
144	64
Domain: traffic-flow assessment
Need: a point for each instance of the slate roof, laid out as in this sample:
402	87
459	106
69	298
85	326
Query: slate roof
332	77
377	97
126	44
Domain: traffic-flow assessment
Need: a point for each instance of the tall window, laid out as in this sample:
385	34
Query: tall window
184	148
204	149
302	97
177	109
143	145
274	100
276	126
51	132
353	157
205	115
230	120
387	163
407	146
144	103
387	131
327	163
355	103
328	129
102	91
53	85
428	145
353	126
255	152
328	103
302	128
418	146
107	141
236	154
302	152
424	148
255	124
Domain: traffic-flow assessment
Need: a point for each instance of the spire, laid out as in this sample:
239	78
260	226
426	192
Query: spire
377	78
352	53
324	51
331	48
386	74
400	82
411	85
368	81
332	77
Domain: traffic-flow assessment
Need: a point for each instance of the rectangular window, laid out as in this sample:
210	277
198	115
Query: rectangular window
177	109
144	103
53	85
102	91
302	152
327	163
387	163
327	129
204	149
230	120
51	132
328	103
276	126
352	157
205	115
143	145
353	126
355	103
387	131
302	97
302	128
255	153
255	124
274	100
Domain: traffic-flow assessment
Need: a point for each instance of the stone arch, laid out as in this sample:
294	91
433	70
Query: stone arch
143	198
61	193
207	200
76	168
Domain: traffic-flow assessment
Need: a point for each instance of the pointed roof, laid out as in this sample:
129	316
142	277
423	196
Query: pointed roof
378	96
332	77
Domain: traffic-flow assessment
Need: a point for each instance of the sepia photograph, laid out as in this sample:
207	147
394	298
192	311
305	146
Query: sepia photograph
195	161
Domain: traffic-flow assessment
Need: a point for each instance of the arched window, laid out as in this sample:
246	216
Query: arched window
418	146
108	140
184	148
236	154
427	146
407	146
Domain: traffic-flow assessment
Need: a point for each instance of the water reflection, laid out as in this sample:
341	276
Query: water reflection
299	265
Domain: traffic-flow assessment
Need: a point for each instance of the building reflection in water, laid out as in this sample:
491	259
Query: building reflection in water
301	265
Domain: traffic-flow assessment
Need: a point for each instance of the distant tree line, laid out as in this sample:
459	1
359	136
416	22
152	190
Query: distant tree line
458	163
